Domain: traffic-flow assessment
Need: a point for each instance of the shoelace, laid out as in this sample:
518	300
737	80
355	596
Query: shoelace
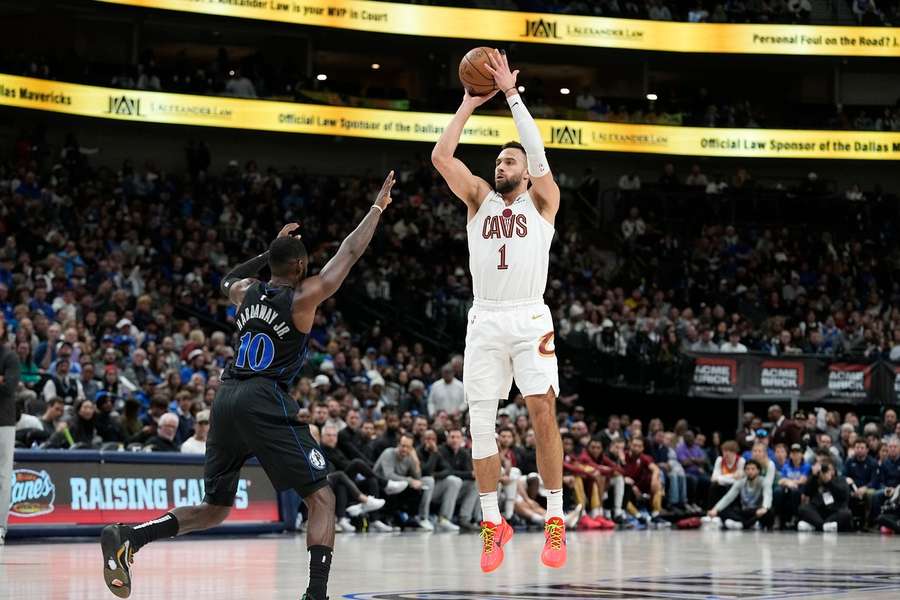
554	533
487	535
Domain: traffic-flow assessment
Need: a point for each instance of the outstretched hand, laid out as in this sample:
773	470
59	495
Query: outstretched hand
288	229
384	196
499	68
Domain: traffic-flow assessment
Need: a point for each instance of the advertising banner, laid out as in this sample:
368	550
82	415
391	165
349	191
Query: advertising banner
290	117
47	491
573	30
809	378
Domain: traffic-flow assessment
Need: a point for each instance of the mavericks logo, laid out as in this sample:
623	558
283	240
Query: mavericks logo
569	136
540	29
32	494
124	105
316	459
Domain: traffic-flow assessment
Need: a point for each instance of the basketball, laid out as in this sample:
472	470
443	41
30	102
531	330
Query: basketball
476	79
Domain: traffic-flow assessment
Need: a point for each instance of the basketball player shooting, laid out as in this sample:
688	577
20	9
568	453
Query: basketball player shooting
510	330
253	413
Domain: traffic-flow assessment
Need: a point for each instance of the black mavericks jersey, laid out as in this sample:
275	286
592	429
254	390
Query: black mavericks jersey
270	346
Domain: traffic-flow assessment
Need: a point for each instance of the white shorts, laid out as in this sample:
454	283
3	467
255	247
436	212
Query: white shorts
505	342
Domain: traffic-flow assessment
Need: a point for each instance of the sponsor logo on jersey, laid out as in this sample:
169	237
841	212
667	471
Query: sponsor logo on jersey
546	347
316	459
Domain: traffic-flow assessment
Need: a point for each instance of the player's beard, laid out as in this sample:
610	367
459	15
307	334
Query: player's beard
508	184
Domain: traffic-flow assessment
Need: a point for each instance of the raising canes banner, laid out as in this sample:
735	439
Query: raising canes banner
808	378
394	18
76	488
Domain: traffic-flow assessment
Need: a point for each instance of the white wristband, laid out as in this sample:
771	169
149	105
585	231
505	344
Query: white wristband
380	210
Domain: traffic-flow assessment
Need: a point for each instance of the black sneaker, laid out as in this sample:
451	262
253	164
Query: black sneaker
118	555
306	596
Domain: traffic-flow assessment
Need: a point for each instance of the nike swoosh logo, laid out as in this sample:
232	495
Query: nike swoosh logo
536	316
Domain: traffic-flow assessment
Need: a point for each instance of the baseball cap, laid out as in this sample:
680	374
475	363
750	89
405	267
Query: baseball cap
606	323
321	380
762	433
123	323
796	447
195	353
203	416
416	384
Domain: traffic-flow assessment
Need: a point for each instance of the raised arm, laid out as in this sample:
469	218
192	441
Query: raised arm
235	283
467	187
312	291
543	188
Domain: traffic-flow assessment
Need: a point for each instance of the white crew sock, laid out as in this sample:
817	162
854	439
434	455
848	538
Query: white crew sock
555	504
490	509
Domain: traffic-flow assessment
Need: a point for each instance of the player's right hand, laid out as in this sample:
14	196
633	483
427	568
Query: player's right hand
384	196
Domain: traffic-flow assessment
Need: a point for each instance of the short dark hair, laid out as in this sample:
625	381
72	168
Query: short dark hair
283	252
507	428
513	144
754	462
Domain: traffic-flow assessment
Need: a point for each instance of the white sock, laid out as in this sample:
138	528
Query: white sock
555	504
489	508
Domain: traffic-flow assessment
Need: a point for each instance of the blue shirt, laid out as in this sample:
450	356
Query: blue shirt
789	471
749	454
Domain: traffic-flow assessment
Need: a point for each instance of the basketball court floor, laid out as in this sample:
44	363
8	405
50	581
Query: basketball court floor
651	564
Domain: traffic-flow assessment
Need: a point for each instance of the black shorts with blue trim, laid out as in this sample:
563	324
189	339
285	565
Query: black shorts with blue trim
255	417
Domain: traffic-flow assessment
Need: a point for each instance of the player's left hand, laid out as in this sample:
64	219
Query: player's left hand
288	229
499	68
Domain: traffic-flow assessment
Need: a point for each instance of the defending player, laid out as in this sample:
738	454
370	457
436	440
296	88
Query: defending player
510	331
253	414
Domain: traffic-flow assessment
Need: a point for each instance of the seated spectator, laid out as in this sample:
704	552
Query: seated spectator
594	456
184	403
80	431
164	440
827	509
861	472
633	227
446	394
391	436
402	464
589	483
790	487
888	475
889	519
672	471
762	438
107	421
786	431
695	462
629	182
460	461
696	178
733	345
728	468
825	444
63	384
531	506
344	484
51	419
747	504
196	444
643	476
441	485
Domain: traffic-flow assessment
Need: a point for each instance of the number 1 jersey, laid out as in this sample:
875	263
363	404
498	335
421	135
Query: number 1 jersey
269	344
509	250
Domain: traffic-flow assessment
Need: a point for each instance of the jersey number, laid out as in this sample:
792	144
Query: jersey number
502	264
258	348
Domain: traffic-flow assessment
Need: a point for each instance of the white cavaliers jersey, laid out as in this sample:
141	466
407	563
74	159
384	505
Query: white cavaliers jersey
509	250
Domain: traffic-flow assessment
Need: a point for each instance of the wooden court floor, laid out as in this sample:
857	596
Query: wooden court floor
697	565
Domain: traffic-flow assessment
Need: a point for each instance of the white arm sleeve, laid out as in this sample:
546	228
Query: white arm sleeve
530	137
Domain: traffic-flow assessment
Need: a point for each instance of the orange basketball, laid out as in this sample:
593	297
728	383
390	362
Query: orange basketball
477	80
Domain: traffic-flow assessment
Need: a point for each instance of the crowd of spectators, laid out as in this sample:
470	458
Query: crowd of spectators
107	297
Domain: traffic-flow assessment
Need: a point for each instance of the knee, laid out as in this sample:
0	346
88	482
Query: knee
454	482
428	481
